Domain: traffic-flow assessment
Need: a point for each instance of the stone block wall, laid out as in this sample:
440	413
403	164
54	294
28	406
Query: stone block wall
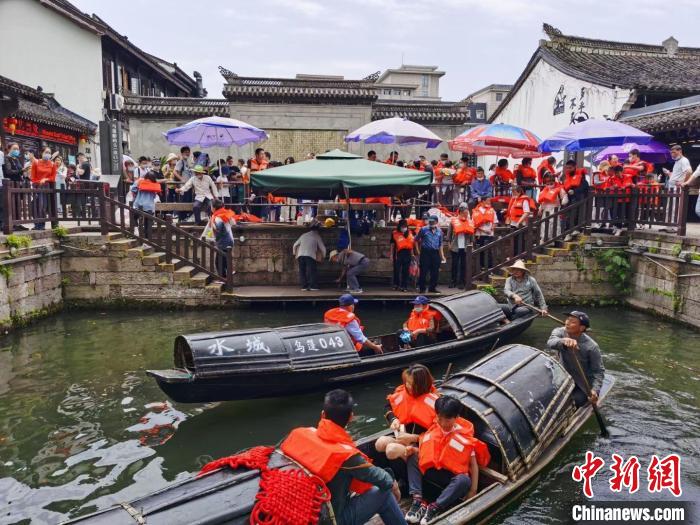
662	282
30	283
96	271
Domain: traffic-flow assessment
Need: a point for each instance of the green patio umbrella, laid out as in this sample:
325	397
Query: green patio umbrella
339	174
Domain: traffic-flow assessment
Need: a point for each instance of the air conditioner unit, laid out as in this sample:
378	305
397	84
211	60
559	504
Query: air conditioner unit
116	102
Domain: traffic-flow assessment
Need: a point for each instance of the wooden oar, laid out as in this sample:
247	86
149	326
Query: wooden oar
601	420
541	312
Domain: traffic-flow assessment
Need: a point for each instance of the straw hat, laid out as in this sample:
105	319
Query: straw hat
171	156
517	265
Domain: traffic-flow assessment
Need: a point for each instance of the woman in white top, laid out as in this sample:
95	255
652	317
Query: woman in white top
61	173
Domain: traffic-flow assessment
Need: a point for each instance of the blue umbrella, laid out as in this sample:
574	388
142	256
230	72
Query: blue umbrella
214	131
593	134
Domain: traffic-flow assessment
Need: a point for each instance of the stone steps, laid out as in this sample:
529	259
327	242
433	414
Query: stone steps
154	259
121	245
183	274
199	280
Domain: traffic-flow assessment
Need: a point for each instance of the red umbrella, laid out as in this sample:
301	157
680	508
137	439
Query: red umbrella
502	140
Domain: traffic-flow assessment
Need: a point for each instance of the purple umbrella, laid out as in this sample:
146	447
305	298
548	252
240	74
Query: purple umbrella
394	130
653	152
593	134
214	131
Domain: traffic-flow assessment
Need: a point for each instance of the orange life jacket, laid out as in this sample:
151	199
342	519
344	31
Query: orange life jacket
549	194
415	223
574	182
386	201
341	317
452	450
545	166
516	208
224	214
649	192
323	450
403	242
504	174
258	166
483	214
147	185
464	176
419	320
462	226
409	409
528	173
276	200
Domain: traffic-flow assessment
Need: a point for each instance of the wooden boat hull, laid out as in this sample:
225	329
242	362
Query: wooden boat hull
184	387
227	497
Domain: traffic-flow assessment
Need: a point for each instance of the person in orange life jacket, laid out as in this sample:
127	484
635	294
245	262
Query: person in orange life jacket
422	324
402	250
393	157
43	171
372	155
329	452
552	197
222	220
459	234
145	191
526	177
618	183
549	164
520	208
462	179
485	220
649	200
502	175
635	168
344	315
448	456
410	411
576	185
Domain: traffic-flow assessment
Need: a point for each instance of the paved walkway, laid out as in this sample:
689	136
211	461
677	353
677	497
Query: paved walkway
292	294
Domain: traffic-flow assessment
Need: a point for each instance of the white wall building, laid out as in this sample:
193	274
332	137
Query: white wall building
571	79
491	95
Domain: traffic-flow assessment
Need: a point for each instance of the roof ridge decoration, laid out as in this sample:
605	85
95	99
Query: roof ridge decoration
227	73
373	77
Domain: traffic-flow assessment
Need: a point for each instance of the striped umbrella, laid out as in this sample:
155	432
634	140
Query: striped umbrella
502	140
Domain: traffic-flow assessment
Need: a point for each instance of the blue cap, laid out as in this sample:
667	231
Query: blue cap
582	317
347	300
433	218
421	299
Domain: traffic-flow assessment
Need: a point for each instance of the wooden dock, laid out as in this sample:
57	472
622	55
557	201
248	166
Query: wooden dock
292	294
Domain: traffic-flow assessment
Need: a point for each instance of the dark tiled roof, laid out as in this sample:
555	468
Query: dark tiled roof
297	90
643	67
436	112
672	119
51	113
15	89
177	106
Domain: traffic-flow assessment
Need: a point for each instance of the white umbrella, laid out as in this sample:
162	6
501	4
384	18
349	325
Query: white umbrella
394	130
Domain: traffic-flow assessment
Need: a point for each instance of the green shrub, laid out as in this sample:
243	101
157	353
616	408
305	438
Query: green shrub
616	264
18	241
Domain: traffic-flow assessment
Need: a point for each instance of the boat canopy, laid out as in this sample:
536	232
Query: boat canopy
469	312
269	349
514	397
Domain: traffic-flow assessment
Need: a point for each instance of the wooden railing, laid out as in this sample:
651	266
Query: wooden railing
623	209
167	237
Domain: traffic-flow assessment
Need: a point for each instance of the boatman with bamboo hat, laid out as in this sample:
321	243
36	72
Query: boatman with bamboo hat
521	289
571	342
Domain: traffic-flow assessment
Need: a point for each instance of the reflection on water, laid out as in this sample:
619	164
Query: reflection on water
82	427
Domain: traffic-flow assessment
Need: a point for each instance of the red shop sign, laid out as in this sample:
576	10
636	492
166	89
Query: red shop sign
29	129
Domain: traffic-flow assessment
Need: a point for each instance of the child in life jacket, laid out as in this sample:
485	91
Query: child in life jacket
449	456
410	411
145	191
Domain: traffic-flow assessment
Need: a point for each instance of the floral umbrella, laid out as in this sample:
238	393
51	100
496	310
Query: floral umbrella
502	140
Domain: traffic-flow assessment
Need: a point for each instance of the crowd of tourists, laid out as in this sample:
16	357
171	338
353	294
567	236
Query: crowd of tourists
430	453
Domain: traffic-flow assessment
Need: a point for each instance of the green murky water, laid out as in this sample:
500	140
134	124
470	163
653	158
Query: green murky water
82	427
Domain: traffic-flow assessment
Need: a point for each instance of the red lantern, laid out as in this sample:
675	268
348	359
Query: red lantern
11	125
83	138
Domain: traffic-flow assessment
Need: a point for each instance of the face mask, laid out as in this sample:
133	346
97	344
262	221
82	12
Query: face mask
14	153
26	156
433	226
404	230
46	156
418	309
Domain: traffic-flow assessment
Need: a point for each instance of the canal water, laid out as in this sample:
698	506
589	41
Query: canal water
82	427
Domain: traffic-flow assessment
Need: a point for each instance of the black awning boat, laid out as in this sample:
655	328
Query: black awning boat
271	362
518	398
